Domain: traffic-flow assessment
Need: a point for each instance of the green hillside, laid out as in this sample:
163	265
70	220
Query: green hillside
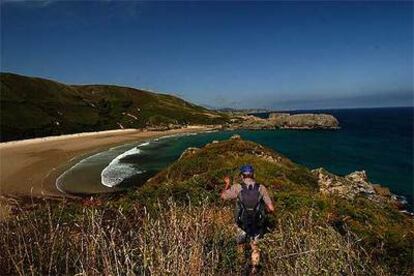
35	107
176	224
383	232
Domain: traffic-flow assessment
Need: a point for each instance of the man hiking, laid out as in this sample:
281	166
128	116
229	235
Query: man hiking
252	199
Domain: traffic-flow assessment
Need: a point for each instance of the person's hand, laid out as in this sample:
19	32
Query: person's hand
270	208
227	181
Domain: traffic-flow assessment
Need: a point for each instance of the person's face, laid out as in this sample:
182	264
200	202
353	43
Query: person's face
246	175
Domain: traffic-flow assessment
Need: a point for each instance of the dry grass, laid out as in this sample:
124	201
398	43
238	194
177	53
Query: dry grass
175	240
301	246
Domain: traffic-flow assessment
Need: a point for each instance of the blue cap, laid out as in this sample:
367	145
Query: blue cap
246	169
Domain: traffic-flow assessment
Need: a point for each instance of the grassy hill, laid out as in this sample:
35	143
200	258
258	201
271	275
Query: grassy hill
176	224
35	107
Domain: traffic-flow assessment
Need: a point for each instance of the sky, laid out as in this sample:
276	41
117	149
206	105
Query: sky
274	55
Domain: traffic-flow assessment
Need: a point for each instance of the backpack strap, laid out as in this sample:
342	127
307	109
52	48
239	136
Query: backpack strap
243	188
257	188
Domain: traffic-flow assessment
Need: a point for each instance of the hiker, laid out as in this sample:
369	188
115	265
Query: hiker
252	199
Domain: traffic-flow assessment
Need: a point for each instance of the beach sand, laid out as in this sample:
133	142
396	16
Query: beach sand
30	167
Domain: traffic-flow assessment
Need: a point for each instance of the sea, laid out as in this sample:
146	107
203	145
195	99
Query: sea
377	140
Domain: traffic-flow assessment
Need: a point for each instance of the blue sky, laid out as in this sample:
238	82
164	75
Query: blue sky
277	55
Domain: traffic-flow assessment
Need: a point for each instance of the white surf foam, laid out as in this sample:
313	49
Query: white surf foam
144	144
116	171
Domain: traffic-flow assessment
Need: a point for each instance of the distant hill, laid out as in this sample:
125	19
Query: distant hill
35	107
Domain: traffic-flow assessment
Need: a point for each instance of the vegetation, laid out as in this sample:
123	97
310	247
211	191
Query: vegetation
176	224
34	107
181	239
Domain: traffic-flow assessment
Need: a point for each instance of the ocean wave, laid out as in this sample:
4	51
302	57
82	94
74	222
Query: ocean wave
144	144
102	157
110	170
116	171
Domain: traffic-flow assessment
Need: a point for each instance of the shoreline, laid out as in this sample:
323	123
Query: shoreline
64	136
30	167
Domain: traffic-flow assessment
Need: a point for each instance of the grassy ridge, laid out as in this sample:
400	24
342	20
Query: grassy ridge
34	107
176	224
386	234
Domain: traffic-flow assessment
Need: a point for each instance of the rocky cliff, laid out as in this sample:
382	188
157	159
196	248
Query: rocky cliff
285	121
304	121
356	184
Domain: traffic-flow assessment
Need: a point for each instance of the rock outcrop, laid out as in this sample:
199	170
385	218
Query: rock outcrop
353	185
304	121
285	121
189	151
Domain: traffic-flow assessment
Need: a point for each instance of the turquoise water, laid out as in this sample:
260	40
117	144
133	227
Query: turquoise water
379	141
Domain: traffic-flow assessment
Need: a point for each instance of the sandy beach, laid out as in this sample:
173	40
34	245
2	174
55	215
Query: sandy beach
30	167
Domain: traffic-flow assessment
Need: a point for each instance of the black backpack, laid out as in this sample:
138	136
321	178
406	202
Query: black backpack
250	209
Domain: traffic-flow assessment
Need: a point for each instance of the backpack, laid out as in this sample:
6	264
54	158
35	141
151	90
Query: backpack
250	209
